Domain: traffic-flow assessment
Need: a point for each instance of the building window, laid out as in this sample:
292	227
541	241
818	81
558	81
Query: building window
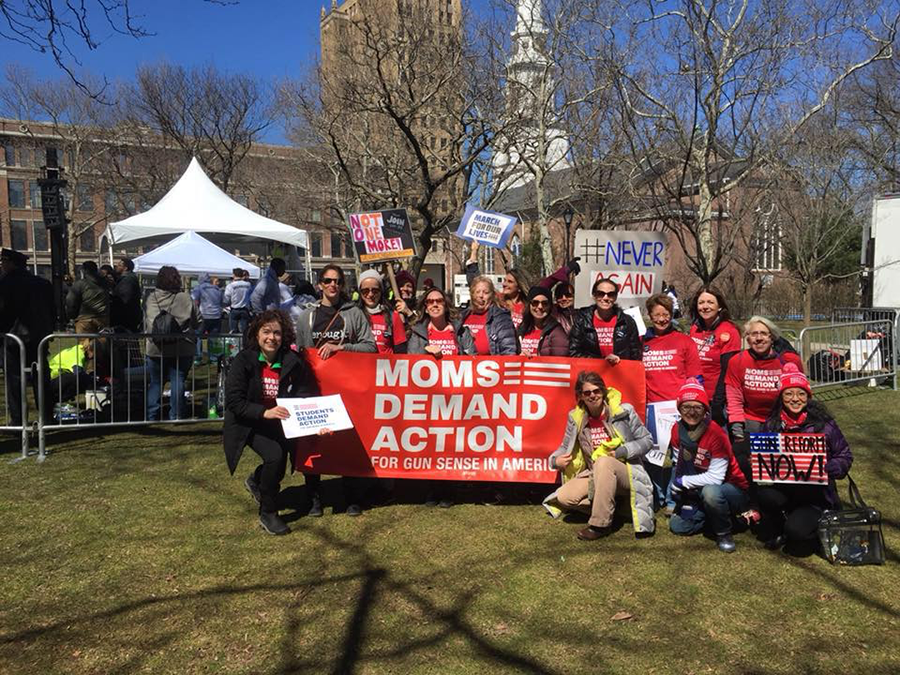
128	203
336	245
110	203
87	240
39	236
9	154
315	244
85	197
19	231
34	194
316	216
767	247
487	264
53	157
16	194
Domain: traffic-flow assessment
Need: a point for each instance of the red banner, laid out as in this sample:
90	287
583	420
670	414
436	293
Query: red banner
455	418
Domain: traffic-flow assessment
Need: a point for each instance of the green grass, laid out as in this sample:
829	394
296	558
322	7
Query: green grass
136	552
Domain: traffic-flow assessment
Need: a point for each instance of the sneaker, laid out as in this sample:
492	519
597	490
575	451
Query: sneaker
354	510
669	511
445	503
273	524
315	510
725	542
591	533
252	487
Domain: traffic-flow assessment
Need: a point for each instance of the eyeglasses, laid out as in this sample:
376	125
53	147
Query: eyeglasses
369	291
795	395
759	333
540	303
606	294
431	302
689	408
591	393
327	281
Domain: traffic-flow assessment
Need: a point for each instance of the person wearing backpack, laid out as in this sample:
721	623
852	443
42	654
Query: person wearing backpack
169	310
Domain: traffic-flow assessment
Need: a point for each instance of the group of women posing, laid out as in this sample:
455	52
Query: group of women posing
723	391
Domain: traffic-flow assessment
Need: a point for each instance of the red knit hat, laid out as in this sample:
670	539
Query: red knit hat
792	376
692	390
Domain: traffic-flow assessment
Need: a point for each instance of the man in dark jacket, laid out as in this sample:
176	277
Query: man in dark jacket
27	310
87	303
126	297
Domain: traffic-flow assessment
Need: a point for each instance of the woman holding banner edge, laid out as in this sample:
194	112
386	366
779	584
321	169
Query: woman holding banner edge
790	513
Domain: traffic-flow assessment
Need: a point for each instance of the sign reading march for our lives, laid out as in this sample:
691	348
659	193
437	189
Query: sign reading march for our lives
634	260
382	235
486	227
789	458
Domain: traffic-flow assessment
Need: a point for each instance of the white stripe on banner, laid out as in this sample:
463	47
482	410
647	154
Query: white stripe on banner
540	383
511	382
547	376
549	366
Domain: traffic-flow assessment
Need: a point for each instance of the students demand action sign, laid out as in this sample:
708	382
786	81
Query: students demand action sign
457	418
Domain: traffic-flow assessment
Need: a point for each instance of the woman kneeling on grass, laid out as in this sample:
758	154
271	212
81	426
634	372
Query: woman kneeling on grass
265	369
600	458
708	485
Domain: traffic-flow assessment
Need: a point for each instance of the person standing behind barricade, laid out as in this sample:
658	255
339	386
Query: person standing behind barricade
237	298
604	331
708	486
168	310
386	324
28	311
208	298
267	294
87	303
790	513
126	297
599	458
331	325
540	334
717	340
265	369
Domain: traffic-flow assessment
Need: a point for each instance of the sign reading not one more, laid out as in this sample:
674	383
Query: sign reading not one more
635	261
382	235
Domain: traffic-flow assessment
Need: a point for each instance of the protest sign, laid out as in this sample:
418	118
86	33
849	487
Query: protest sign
634	260
382	235
789	458
486	227
309	415
661	417
456	418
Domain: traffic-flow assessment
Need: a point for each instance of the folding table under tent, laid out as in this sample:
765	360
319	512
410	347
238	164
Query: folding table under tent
196	204
192	255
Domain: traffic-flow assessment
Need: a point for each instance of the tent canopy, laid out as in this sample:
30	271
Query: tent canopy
192	255
196	204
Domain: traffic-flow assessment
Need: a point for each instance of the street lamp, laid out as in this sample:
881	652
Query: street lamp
568	214
53	210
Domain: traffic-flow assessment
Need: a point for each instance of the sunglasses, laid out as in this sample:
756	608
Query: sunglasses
369	291
565	294
433	301
591	393
327	281
540	303
605	294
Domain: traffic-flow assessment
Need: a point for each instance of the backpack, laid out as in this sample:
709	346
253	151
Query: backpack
165	324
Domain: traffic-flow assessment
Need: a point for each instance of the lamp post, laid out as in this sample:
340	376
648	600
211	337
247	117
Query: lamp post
568	214
53	209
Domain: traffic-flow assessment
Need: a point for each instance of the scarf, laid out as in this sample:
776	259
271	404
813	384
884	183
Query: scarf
377	309
689	443
789	422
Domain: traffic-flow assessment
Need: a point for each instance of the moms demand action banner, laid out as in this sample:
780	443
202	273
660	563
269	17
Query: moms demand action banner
455	418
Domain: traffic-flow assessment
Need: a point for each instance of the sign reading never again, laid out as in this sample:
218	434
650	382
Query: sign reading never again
635	261
382	235
789	458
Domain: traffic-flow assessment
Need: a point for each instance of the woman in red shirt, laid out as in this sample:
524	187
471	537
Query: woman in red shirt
387	324
716	337
669	355
540	334
513	296
436	333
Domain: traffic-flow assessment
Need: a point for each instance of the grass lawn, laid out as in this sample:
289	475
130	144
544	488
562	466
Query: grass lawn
136	552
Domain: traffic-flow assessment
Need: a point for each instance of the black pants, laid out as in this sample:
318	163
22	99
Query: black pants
354	488
273	449
791	510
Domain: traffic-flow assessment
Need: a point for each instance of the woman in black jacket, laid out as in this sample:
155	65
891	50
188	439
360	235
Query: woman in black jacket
265	369
605	331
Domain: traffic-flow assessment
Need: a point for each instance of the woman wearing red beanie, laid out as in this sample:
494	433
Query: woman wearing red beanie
790	513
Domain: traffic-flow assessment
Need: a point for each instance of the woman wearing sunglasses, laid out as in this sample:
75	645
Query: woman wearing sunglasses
600	458
540	334
436	333
387	324
604	331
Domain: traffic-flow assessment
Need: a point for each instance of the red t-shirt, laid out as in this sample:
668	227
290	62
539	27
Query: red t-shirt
530	342
757	381
711	344
517	311
379	327
598	431
477	324
445	339
270	378
713	444
604	334
668	361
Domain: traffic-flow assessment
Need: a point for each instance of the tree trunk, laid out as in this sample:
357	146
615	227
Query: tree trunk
807	304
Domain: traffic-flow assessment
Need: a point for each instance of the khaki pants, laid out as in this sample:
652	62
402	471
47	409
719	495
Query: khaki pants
610	478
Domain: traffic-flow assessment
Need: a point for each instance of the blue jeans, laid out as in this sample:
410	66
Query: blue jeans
239	319
207	327
718	503
172	369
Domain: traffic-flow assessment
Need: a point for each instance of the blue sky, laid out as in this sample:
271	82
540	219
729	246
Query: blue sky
272	39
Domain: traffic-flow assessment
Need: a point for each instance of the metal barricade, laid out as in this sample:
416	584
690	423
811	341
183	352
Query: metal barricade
15	389
850	352
109	380
853	314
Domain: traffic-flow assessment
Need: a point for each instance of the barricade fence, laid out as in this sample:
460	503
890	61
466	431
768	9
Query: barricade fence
114	379
16	364
851	352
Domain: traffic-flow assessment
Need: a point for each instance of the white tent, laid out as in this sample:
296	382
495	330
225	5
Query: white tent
192	255
196	203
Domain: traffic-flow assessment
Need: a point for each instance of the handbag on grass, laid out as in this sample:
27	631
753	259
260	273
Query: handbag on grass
852	536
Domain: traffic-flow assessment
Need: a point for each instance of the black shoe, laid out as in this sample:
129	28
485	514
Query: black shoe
776	543
315	510
431	500
725	542
252	487
445	503
273	524
354	510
